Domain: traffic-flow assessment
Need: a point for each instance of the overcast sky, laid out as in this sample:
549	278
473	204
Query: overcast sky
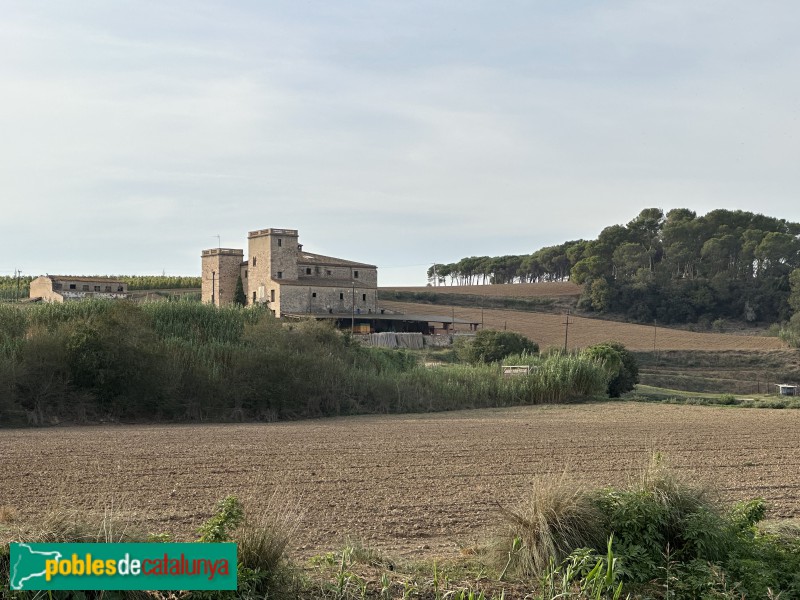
397	133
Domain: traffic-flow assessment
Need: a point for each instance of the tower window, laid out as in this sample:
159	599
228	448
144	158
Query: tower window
245	273
254	297
280	274
355	274
280	242
254	261
341	296
308	270
272	295
313	294
364	297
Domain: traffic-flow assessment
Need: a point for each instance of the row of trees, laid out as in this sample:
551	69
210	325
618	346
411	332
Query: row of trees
674	267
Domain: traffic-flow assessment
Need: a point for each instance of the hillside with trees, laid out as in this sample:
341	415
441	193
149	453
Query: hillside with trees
676	267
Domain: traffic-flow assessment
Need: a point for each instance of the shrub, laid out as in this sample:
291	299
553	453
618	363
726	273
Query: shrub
667	532
556	518
490	346
620	362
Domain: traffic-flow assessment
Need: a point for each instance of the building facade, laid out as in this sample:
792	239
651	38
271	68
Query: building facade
289	280
65	288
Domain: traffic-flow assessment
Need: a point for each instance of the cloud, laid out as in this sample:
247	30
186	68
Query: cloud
385	132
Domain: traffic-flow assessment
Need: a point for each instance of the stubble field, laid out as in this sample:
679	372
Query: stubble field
548	329
409	485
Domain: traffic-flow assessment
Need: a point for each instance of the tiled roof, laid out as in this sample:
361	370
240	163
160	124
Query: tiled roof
85	279
307	258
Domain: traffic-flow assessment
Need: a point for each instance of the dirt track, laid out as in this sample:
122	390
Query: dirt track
410	485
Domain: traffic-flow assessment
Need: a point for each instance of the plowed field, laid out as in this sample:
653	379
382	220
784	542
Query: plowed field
411	485
548	329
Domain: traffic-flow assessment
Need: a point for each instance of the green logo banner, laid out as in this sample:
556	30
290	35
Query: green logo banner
189	566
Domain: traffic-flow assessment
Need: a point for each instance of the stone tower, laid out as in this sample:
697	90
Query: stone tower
221	268
273	255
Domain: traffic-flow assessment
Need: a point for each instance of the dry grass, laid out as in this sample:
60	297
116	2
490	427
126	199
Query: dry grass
554	289
557	517
548	330
8	515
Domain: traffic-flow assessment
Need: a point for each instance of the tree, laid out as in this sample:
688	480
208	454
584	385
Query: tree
794	298
239	296
621	364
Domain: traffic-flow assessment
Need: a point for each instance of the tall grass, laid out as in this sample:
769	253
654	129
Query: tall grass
188	361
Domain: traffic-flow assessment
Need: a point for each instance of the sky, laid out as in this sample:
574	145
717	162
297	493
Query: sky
398	133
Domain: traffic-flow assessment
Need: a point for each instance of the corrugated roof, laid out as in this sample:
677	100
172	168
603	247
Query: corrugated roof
309	258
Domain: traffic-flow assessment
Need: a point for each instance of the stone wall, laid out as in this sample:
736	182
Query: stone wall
294	299
42	287
367	276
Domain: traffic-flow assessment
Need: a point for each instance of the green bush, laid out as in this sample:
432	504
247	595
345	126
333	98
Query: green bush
489	346
621	363
668	534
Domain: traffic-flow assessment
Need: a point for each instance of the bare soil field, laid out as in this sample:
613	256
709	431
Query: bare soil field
412	486
548	330
553	289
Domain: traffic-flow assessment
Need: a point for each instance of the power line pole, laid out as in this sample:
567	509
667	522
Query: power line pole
655	330
566	331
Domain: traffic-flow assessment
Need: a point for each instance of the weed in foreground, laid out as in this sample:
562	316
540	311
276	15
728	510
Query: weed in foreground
556	518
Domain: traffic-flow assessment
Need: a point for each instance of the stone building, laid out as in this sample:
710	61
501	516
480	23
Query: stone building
64	288
291	281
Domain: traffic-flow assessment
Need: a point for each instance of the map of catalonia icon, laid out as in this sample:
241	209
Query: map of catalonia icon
28	565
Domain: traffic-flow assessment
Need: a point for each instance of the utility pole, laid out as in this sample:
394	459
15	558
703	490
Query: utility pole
655	329
566	332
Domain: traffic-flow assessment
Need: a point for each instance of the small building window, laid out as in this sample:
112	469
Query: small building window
280	274
254	297
280	242
341	296
308	270
254	261
108	288
85	287
119	288
364	297
314	294
327	271
245	273
355	274
72	286
272	295
97	288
